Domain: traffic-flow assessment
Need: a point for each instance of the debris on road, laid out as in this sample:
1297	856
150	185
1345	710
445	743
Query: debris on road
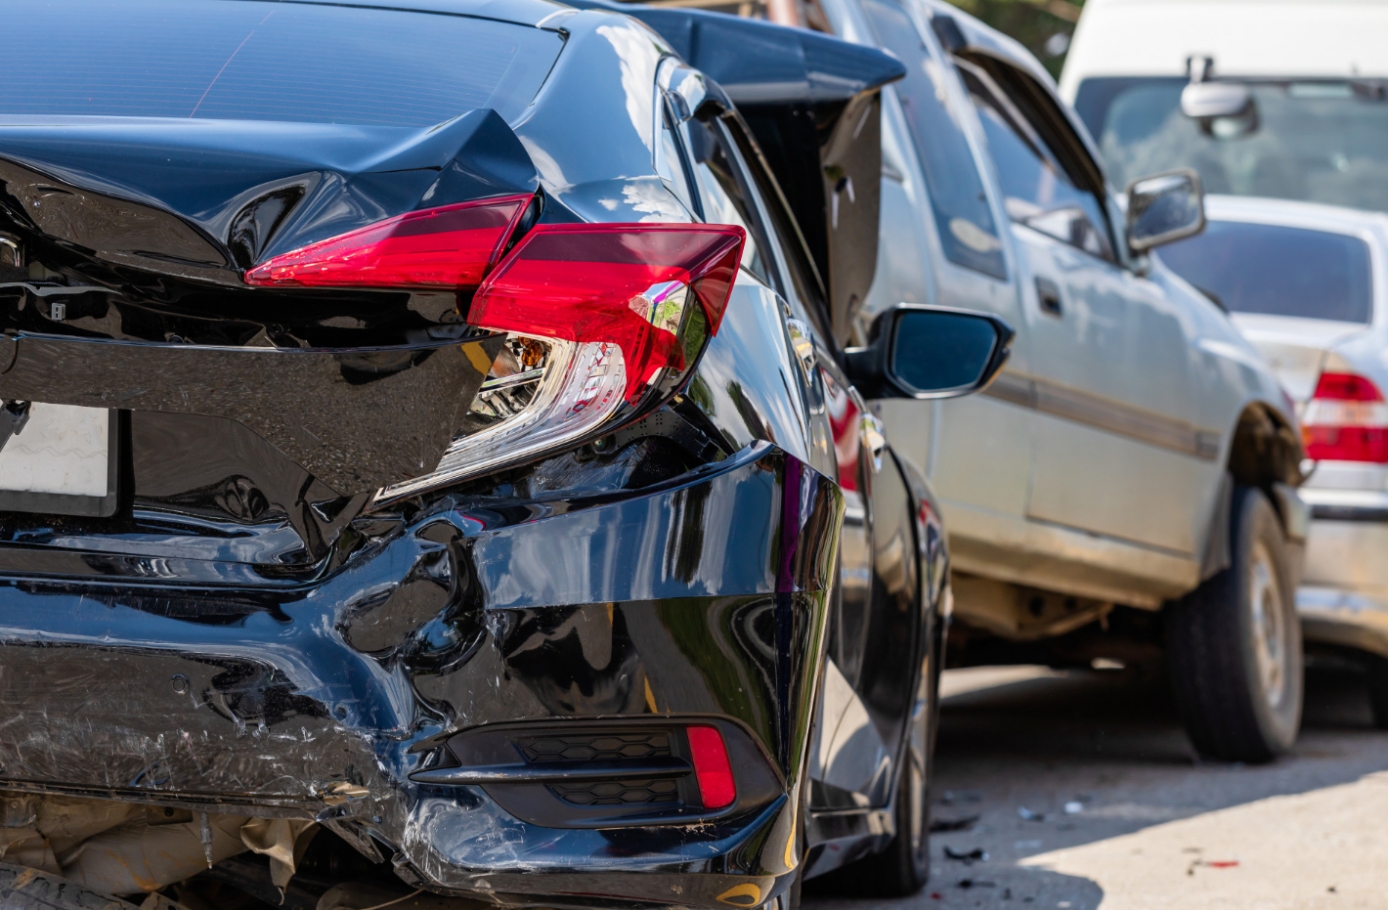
1074	807
1029	815
941	825
952	797
1211	863
974	883
969	857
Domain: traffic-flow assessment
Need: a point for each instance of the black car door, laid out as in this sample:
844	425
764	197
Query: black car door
873	635
874	628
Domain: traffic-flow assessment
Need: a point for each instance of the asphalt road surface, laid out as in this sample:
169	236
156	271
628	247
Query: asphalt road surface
1086	795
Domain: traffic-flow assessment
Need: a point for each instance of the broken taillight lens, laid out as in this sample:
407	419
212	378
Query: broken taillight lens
622	284
450	246
1346	420
594	314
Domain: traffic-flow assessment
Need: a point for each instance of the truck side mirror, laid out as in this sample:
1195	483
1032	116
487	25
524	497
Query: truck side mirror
929	352
1164	208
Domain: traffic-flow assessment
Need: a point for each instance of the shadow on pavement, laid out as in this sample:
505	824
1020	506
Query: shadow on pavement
1030	766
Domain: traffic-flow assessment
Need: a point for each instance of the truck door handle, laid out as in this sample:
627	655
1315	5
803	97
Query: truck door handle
1049	294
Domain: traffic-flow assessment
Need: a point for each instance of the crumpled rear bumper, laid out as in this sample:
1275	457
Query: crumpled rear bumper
703	596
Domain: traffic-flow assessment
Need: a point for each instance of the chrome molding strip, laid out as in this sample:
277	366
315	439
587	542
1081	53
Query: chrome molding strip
1104	414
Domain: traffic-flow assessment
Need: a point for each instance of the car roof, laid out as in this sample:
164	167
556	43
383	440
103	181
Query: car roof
1292	213
1271	38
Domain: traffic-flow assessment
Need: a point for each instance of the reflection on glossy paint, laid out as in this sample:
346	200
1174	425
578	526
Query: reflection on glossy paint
653	201
637	56
550	171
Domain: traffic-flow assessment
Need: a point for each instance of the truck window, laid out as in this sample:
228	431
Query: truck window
1037	189
958	200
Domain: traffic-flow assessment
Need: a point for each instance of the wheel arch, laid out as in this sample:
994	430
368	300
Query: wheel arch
1265	451
1266	448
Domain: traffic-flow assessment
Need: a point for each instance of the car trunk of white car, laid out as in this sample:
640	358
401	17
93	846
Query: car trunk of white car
1295	347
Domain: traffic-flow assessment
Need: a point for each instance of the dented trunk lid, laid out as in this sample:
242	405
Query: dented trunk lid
249	424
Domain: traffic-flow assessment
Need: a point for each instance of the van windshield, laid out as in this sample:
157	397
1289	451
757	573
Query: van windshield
1313	140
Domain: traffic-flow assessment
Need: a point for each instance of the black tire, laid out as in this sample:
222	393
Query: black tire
902	868
22	888
1378	690
1234	644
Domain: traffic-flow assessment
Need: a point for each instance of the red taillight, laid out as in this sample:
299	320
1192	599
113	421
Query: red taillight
450	246
711	767
1346	387
1346	420
622	284
625	284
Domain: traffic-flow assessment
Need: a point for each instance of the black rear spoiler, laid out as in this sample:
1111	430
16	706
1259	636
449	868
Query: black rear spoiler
814	105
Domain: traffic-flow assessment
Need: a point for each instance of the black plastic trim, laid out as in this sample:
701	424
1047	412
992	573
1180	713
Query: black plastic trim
550	772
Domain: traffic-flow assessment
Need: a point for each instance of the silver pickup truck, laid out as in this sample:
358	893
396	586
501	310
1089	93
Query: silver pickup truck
1126	488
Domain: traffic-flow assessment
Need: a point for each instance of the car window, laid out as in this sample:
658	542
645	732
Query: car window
1277	270
1037	189
268	61
671	163
958	200
724	197
782	230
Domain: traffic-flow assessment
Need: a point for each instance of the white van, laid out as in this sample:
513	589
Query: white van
1311	76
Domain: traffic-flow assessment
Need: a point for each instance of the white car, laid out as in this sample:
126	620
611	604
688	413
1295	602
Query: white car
1308	284
1126	487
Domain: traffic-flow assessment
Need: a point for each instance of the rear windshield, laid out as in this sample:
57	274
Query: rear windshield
1281	271
246	60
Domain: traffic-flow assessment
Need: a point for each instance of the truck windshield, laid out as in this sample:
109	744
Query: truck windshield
1315	140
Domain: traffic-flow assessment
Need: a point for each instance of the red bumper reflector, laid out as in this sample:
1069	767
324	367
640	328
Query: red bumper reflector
711	768
585	282
1369	444
450	246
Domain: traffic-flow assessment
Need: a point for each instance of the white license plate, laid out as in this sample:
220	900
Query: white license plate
60	451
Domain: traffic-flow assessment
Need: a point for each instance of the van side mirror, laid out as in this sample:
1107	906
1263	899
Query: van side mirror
1164	208
929	352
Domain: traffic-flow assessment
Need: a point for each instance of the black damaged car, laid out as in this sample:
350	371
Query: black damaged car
430	465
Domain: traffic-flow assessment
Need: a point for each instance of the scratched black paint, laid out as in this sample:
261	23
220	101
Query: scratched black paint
246	634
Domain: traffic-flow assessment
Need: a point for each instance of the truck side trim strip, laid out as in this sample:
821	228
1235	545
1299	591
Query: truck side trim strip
1105	414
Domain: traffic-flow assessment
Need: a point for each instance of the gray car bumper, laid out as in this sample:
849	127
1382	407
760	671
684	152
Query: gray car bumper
1343	599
